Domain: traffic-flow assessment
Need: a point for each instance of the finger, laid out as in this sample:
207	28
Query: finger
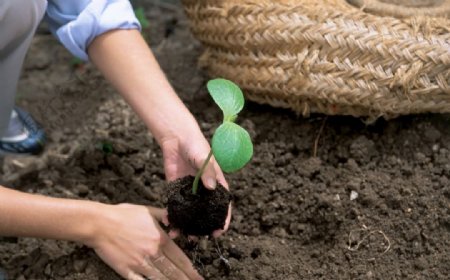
159	214
148	269
179	259
170	160
171	171
174	233
209	173
167	268
220	176
193	238
178	171
209	177
165	220
219	232
134	276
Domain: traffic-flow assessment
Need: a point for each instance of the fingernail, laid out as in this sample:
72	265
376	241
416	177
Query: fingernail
165	221
173	234
192	239
212	183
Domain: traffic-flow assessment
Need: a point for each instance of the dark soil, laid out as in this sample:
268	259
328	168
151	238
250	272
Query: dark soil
373	204
197	214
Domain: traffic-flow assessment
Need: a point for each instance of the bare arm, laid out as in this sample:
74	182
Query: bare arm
23	214
128	63
127	237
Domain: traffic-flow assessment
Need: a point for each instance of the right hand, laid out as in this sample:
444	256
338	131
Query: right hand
130	240
185	155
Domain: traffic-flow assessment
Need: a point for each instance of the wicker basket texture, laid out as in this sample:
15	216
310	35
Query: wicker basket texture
364	58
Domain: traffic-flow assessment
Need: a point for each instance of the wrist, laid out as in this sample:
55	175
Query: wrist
179	128
89	229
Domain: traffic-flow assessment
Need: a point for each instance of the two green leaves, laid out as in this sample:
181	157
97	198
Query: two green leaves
231	144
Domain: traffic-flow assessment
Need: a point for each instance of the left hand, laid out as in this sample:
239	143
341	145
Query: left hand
183	157
129	239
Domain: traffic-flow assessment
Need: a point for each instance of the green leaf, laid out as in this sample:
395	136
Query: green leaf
141	17
106	147
75	62
228	96
232	147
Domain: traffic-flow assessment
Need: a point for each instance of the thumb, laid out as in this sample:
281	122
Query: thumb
159	214
209	175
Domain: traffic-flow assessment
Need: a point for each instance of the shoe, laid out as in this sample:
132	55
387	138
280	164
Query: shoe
24	135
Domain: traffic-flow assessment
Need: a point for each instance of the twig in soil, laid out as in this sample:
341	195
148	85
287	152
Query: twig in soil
372	232
17	163
160	46
316	142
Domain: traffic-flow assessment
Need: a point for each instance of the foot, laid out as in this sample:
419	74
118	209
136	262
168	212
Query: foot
23	136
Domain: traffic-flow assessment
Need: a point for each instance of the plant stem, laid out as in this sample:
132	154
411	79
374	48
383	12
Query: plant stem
200	173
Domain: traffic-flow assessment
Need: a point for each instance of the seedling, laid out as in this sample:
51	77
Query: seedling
141	17
231	144
76	63
106	147
198	211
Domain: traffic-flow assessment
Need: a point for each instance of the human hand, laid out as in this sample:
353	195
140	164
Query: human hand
183	157
129	239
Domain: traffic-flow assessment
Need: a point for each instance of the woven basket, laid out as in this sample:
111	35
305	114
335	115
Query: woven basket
357	57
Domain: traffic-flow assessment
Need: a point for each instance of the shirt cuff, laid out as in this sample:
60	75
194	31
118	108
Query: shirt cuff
97	18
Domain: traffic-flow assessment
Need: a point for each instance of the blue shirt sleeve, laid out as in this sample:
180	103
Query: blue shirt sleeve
76	23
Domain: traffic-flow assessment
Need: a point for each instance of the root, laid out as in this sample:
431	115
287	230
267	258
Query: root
365	237
316	142
222	258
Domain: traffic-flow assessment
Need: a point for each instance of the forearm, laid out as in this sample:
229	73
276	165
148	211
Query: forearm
128	63
29	215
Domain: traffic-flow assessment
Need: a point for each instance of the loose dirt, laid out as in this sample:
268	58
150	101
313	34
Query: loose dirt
197	214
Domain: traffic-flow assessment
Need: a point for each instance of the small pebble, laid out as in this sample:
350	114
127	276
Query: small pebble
82	189
420	263
235	253
353	195
80	265
48	269
203	244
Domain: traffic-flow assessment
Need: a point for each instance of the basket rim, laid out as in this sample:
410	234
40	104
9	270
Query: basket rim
384	8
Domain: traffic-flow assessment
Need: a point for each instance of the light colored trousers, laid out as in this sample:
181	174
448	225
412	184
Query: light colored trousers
18	22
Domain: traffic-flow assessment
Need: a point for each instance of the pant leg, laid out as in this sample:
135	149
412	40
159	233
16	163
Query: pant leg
18	22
